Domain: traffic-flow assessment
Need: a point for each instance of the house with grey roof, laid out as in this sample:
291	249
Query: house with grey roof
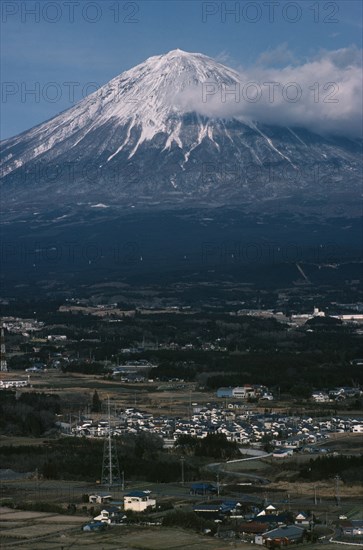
283	535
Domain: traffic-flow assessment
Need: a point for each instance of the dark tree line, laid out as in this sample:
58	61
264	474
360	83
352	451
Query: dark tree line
32	414
211	446
140	457
349	468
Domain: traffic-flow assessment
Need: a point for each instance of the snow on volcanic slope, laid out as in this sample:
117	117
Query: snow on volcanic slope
148	134
148	97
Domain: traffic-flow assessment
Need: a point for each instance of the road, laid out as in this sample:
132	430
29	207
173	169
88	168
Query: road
256	455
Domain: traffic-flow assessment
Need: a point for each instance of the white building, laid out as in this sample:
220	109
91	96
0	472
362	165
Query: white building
5	384
243	392
357	428
320	397
318	313
109	515
100	498
138	501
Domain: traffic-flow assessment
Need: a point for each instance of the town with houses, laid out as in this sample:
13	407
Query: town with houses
238	423
240	497
181	290
263	525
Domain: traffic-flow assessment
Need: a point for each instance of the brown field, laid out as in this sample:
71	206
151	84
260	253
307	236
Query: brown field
62	532
19	528
325	489
79	388
66	534
17	441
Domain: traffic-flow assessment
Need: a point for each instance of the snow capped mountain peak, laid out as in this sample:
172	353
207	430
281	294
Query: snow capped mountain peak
172	79
178	55
148	131
178	52
146	98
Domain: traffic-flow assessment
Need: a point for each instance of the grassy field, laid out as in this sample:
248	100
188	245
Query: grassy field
247	466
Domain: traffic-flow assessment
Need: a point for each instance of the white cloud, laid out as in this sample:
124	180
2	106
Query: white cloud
323	94
276	56
224	57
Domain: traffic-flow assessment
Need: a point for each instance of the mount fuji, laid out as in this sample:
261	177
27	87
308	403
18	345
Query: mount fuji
151	137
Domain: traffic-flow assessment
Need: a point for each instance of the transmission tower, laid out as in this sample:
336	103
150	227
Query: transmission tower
3	362
110	466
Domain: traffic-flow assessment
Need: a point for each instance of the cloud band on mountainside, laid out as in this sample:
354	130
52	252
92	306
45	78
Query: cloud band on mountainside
323	94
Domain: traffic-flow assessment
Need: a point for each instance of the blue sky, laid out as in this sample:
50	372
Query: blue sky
105	37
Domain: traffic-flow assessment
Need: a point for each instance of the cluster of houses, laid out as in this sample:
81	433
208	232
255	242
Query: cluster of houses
18	325
258	524
14	383
247	391
336	394
131	369
248	518
351	528
114	513
262	393
245	427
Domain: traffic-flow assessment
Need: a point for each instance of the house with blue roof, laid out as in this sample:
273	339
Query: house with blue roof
218	509
94	526
202	489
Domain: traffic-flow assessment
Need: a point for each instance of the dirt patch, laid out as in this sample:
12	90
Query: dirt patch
324	489
22	515
120	538
65	519
39	530
166	539
22	526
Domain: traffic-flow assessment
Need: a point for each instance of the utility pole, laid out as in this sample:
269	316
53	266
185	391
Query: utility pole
337	490
218	485
182	459
315	499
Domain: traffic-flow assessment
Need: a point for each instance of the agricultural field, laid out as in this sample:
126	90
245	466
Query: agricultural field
39	531
44	532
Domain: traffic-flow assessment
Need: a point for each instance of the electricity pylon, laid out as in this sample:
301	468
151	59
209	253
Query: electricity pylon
110	466
3	361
